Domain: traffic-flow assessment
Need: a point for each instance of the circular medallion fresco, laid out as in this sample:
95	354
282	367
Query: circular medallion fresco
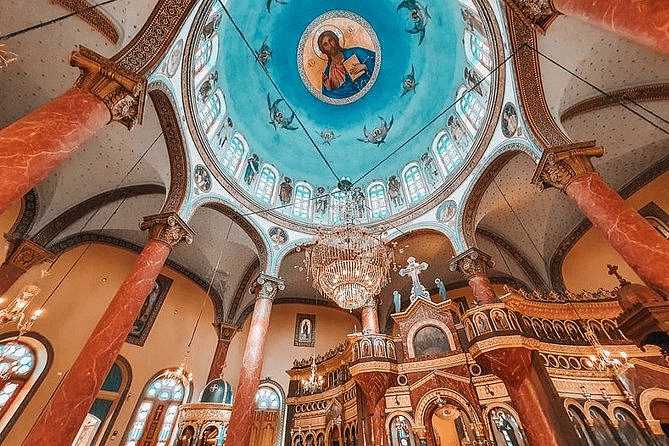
339	57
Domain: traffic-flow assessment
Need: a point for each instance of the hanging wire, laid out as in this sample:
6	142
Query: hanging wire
67	273
52	21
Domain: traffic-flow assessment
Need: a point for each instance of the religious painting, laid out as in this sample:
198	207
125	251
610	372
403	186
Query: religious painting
446	211
509	120
147	315
305	330
339	57
278	236
430	341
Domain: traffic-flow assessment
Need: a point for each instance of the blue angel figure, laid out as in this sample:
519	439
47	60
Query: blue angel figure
348	69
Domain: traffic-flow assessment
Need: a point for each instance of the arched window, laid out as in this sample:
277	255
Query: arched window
269	415
209	111
378	202
302	201
156	413
266	184
414	183
233	155
505	428
22	363
604	434
481	50
106	405
202	55
400	432
267	399
472	108
448	153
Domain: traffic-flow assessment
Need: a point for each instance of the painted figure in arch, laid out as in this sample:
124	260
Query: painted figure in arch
321	201
286	191
348	69
359	200
394	191
252	166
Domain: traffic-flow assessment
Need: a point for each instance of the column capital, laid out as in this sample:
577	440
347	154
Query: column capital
537	13
26	254
168	228
560	165
472	263
122	92
266	287
226	331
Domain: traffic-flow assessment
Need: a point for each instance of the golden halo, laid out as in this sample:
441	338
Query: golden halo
321	30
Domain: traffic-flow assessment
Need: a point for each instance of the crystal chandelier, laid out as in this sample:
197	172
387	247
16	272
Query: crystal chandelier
349	265
315	382
6	56
15	311
604	359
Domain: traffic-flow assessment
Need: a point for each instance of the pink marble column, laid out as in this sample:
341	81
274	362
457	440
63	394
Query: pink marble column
370	318
61	419
643	21
643	248
225	334
241	419
36	144
474	264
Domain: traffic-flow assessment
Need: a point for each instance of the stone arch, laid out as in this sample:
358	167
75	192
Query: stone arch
588	416
645	400
505	406
431	396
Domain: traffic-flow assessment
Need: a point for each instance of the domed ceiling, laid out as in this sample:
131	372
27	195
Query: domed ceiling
293	96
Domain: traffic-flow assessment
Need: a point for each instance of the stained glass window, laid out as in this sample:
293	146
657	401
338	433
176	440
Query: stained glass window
448	154
233	155
481	50
202	55
302	204
267	399
414	182
473	108
266	183
210	110
156	413
377	201
17	362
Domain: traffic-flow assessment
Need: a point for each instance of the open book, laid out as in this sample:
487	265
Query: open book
350	64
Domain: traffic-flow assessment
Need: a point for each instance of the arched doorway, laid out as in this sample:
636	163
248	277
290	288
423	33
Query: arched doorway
268	415
451	426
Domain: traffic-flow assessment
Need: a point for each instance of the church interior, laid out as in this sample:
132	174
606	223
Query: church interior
310	223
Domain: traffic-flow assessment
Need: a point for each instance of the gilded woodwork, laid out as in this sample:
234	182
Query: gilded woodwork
91	15
560	165
27	254
168	228
537	13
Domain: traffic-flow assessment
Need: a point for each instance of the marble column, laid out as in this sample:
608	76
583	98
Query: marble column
642	21
569	169
36	144
61	419
24	255
378	425
533	395
241	419
370	318
225	334
474	264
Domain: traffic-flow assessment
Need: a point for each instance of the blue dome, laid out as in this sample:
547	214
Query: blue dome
217	391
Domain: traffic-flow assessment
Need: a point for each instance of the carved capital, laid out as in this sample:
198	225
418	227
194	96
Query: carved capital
122	92
560	165
226	332
168	228
472	263
535	13
266	287
27	254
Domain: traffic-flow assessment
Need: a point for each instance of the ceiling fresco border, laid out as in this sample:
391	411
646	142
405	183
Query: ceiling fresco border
522	261
530	86
498	80
148	46
91	15
642	93
94	237
641	180
176	150
67	218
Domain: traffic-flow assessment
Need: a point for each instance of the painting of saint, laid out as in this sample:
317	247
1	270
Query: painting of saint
339	57
150	308
305	325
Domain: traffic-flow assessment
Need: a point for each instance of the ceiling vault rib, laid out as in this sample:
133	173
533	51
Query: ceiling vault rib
91	14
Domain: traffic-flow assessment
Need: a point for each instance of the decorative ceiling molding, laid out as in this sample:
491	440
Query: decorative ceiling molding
93	237
176	150
148	46
26	217
537	13
91	15
530	85
246	312
518	256
557	259
51	230
642	93
241	289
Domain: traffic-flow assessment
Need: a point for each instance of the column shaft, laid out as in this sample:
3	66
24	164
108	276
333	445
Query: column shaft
218	362
482	290
370	318
642	21
62	417
637	242
241	420
36	144
378	427
9	274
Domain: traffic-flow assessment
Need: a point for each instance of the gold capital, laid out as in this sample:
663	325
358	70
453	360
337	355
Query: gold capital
472	263
560	165
266	287
27	254
168	228
122	92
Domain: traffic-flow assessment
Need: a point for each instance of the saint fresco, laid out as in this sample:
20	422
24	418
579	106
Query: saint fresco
339	57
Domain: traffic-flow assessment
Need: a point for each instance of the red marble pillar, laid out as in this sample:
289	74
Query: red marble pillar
378	425
643	21
374	385
9	274
61	419
36	144
533	395
638	243
241	419
474	264
370	318
225	334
